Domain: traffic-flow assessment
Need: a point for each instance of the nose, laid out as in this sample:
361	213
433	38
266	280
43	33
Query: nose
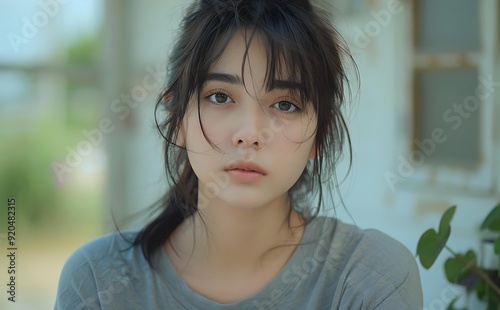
248	141
248	127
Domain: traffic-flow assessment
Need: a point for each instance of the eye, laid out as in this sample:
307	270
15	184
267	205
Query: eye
286	107
219	98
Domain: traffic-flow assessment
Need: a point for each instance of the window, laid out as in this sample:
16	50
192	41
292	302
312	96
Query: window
453	93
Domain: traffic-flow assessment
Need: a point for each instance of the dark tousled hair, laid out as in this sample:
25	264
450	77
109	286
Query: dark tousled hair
299	40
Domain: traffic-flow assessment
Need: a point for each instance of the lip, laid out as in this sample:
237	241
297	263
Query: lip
245	172
245	167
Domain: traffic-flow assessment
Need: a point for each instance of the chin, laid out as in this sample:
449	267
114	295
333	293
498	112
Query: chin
239	202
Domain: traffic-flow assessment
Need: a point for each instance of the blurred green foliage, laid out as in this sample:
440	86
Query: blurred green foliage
464	268
30	145
27	175
84	50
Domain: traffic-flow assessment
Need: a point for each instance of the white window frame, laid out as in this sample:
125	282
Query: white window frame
483	178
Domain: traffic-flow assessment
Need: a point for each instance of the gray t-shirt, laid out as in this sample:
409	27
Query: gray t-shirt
337	266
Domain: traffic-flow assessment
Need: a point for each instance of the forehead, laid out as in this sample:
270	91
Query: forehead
248	55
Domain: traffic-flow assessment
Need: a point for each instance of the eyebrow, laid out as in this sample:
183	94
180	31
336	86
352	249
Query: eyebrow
236	80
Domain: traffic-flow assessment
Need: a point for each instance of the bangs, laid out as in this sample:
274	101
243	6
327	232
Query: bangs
285	62
287	65
294	55
302	48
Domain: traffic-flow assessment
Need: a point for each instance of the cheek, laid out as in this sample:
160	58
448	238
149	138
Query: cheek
301	132
293	151
195	136
297	139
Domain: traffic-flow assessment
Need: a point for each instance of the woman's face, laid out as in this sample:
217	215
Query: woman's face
263	139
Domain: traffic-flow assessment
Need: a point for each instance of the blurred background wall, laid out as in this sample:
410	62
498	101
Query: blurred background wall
79	152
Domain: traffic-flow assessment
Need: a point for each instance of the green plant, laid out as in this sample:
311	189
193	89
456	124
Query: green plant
463	268
26	174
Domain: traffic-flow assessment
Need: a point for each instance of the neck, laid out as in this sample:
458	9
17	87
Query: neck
228	239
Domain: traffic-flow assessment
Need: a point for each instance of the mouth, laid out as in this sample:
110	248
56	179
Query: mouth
245	167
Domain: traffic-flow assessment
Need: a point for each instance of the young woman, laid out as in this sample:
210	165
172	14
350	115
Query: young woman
253	129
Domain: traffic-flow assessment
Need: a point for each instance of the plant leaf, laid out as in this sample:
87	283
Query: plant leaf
444	224
451	306
431	243
429	246
480	289
492	220
492	301
459	267
497	246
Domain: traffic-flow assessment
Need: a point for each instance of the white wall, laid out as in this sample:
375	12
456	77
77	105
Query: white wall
138	47
379	126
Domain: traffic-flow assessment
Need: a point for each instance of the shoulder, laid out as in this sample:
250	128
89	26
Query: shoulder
376	270
107	249
384	271
104	265
369	246
376	247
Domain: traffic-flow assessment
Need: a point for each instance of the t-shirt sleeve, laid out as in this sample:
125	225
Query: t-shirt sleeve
399	270
406	295
99	275
382	274
77	286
